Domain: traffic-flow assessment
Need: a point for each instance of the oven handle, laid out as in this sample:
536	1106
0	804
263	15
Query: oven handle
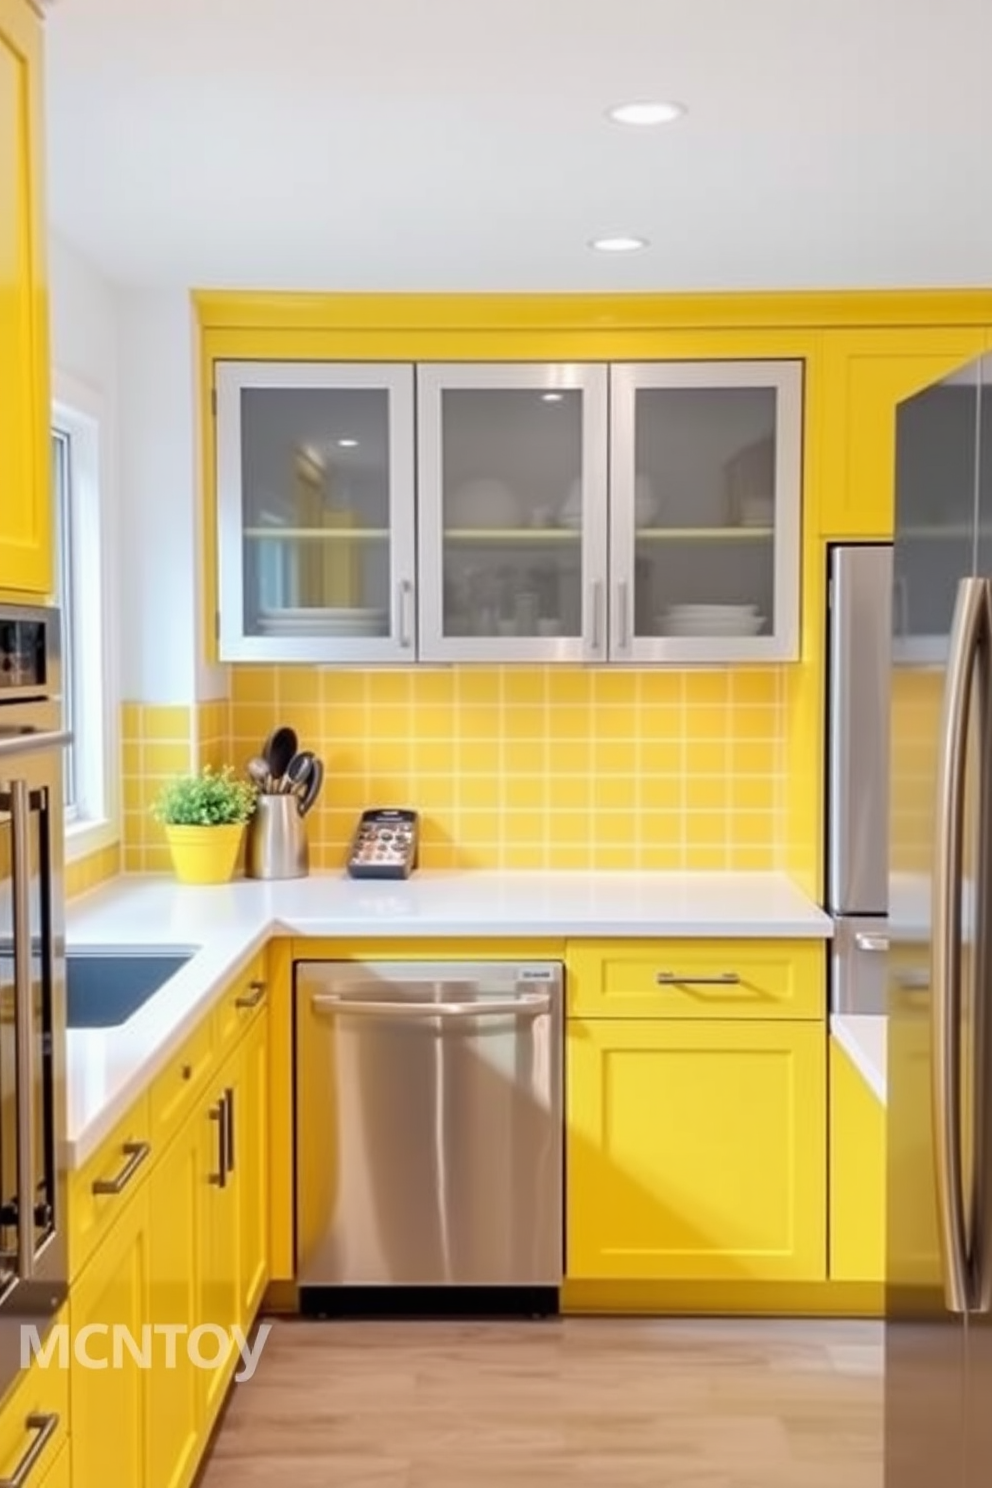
527	1005
20	809
46	1426
33	741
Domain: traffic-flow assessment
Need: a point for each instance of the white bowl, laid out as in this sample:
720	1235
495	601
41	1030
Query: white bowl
482	503
745	625
715	611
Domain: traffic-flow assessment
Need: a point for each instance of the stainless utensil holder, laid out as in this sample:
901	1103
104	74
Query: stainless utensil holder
277	845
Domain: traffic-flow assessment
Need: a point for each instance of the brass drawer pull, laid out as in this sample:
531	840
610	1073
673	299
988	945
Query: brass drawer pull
135	1152
724	979
46	1426
253	997
218	1113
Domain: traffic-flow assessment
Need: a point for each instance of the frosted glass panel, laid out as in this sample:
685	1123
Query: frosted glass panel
705	510
316	511
512	511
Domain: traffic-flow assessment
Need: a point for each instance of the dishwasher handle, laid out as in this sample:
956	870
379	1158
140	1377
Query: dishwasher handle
527	1005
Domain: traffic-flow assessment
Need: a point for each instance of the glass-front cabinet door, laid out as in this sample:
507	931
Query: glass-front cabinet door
512	512
705	489
940	437
315	505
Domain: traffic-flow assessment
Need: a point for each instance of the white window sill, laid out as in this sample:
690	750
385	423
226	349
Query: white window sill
86	836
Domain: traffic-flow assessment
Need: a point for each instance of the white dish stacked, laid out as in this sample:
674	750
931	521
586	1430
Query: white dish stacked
313	621
711	620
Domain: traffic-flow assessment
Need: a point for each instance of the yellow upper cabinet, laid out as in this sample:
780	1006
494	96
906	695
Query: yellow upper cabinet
866	374
25	514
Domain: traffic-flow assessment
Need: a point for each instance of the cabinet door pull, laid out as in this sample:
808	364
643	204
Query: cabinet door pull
623	615
404	590
45	1425
229	1151
722	979
596	608
251	998
135	1152
218	1113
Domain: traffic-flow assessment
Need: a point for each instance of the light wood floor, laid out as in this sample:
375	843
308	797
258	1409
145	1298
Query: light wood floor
616	1403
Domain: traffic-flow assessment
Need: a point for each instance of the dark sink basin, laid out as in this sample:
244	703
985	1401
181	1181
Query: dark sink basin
105	990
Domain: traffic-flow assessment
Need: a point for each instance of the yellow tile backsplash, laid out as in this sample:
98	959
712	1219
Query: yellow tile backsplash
158	743
86	873
531	767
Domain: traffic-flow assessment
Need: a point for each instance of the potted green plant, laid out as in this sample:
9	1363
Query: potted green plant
204	817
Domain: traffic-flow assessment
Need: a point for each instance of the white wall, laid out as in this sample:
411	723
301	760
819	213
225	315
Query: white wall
136	351
160	521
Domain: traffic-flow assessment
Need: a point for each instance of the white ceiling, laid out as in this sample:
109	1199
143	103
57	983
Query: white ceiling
461	144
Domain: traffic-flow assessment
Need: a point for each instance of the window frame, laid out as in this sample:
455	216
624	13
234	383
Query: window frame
93	822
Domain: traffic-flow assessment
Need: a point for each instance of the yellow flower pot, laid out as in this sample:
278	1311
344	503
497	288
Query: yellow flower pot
204	855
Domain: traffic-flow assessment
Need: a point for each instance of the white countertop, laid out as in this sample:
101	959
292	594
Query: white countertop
863	1038
107	1069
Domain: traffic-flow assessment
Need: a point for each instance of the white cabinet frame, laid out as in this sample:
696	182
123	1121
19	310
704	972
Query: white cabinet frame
786	378
433	379
399	646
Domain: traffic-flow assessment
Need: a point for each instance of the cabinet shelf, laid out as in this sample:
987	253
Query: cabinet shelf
961	531
319	534
704	534
524	535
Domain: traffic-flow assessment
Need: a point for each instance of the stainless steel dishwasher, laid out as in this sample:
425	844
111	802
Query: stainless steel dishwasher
428	1134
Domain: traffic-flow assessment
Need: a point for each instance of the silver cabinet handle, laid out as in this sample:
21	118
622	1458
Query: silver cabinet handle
404	589
528	1004
870	942
20	822
596	608
623	615
251	998
229	1124
46	1426
218	1113
136	1153
34	741
721	979
970	634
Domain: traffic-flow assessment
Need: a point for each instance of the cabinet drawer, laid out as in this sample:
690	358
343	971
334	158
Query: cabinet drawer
242	1002
121	1161
175	1090
696	979
40	1394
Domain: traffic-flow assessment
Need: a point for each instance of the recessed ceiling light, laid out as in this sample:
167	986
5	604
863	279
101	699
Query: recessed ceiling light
646	113
618	244
347	444
552	397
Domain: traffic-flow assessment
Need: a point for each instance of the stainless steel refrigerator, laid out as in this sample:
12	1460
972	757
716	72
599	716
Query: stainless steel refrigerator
859	600
938	1330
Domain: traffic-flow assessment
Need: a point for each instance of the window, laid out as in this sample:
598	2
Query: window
88	676
62	495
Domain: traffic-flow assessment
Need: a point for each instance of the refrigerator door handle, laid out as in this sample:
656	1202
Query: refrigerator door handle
981	1198
970	636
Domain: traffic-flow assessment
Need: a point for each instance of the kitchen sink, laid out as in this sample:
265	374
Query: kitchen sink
104	989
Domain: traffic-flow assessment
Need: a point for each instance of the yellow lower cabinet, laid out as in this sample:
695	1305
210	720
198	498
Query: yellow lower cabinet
857	1174
108	1393
218	1263
252	1173
34	1419
696	1150
59	1475
176	1206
